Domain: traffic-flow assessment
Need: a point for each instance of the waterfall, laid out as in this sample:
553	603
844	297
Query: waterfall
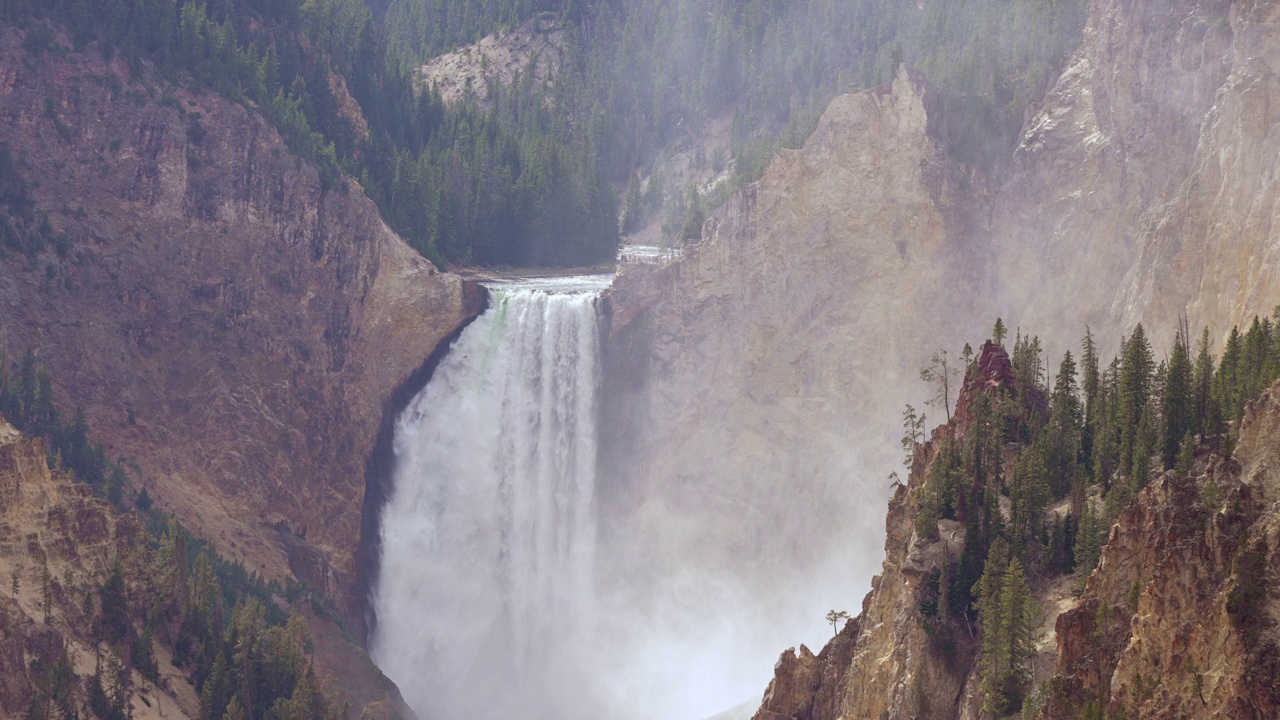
484	599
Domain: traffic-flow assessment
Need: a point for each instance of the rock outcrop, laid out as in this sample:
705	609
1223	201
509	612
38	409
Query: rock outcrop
808	686
535	46
230	328
1178	620
897	662
49	523
1180	617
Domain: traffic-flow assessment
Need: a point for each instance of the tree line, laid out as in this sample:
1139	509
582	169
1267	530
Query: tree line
520	183
1087	439
660	69
534	177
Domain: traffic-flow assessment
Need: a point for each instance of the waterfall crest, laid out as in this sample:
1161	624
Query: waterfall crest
484	596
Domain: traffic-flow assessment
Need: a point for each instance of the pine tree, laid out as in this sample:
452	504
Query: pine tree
1226	381
1186	455
1256	372
1090	384
1178	407
1028	495
1028	366
1136	367
912	435
999	332
1145	444
1107	440
1007	611
1089	539
940	374
1203	385
1065	426
986	591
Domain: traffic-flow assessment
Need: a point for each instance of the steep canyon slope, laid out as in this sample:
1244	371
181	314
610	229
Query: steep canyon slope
1145	185
746	382
747	372
1178	619
231	329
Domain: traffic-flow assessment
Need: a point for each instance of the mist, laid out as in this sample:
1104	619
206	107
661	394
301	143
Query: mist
749	421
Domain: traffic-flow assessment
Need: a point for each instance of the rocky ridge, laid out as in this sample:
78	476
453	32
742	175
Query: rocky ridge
1178	620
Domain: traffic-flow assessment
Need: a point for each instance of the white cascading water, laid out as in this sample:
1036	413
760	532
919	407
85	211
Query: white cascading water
485	594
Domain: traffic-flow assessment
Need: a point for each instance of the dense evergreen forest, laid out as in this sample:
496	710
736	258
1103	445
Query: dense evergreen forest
1085	440
533	177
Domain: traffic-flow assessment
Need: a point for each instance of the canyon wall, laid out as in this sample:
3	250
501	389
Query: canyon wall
744	376
60	545
753	387
232	330
1144	187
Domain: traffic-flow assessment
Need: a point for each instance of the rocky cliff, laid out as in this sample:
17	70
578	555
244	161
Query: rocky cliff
48	523
58	548
1178	620
742	379
897	662
1144	186
232	329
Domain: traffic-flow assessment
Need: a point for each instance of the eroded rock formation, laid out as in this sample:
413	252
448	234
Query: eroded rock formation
58	545
808	686
1178	620
1180	617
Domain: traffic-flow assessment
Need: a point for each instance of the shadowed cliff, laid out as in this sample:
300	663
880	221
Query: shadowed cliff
230	328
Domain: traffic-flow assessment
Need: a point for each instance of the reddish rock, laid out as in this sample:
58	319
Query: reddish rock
228	325
1178	596
807	686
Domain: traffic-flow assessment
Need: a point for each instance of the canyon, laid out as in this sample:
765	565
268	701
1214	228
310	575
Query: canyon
242	338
